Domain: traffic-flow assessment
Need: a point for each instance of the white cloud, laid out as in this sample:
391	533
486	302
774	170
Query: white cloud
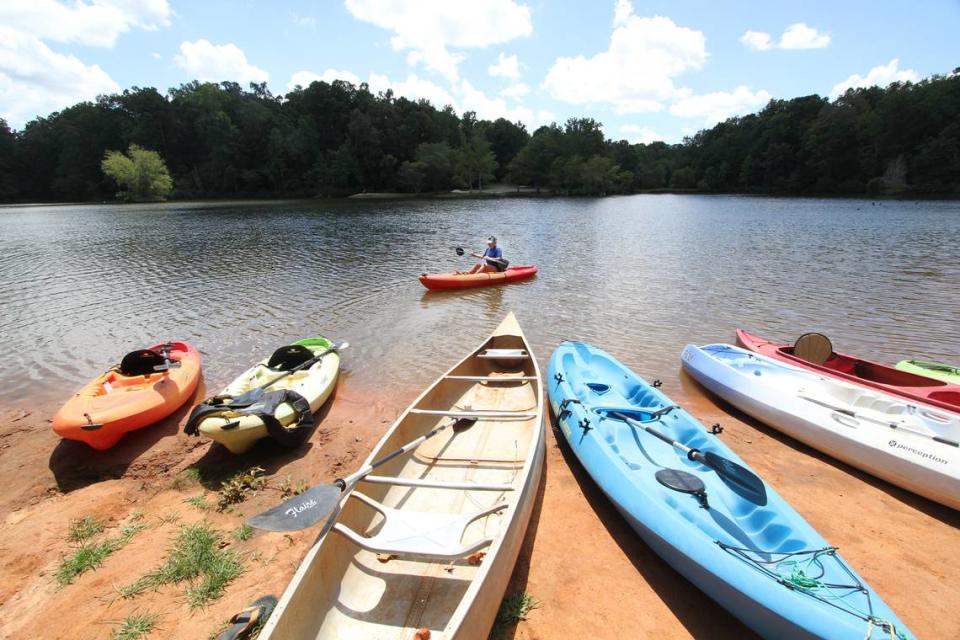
635	74
505	67
206	61
93	22
35	80
636	133
622	12
879	76
756	40
428	29
800	36
716	107
304	21
156	56
515	90
413	88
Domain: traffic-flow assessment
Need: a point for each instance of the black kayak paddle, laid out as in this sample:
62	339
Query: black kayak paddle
744	482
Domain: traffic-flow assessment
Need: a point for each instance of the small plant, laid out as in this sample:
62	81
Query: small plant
187	478
137	625
288	489
89	556
194	557
200	502
240	487
84	528
513	609
243	533
171	517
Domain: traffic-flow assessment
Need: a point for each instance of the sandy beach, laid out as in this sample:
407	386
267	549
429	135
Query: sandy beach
591	574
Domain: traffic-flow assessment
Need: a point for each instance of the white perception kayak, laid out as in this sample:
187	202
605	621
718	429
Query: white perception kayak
910	445
427	532
297	389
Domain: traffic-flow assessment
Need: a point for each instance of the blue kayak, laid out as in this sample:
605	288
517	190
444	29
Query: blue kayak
740	543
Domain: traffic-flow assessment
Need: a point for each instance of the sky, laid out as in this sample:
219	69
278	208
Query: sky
647	70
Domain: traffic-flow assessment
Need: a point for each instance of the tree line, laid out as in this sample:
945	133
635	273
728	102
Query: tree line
331	139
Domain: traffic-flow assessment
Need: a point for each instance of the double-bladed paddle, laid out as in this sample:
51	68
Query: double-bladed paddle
744	482
316	503
256	393
460	252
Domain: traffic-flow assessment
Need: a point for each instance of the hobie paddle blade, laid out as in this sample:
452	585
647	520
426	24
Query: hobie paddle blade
300	512
744	482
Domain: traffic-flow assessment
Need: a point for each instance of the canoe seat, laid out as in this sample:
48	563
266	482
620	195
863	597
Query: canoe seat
504	354
418	533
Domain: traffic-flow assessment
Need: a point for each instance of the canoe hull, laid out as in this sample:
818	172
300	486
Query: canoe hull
342	591
315	383
444	281
126	403
912	461
863	372
696	541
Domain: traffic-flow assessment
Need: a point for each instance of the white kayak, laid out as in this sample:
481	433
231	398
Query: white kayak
910	445
424	546
238	432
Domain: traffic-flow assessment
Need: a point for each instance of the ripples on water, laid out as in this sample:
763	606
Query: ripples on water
640	276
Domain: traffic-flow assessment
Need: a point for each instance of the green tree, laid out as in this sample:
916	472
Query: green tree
141	174
477	161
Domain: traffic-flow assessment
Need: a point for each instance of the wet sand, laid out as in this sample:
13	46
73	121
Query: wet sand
593	577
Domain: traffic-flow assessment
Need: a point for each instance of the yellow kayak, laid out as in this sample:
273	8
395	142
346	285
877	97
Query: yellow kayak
275	398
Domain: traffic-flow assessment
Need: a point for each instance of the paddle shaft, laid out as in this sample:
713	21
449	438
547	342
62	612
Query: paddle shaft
892	425
361	473
694	454
477	255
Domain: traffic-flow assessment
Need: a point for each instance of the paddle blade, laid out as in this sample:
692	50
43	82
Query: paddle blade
459	251
299	512
744	482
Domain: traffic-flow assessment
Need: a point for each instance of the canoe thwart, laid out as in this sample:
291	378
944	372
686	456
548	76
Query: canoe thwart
476	414
504	354
419	533
437	484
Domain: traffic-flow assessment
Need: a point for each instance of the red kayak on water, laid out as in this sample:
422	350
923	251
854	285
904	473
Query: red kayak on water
822	359
436	281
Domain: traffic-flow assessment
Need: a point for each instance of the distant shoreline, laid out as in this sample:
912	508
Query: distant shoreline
504	191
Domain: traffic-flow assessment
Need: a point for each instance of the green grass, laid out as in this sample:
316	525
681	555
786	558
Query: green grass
513	609
137	625
90	555
169	518
200	502
85	528
195	558
243	533
186	479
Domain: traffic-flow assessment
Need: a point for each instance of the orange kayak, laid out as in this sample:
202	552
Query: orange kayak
464	281
147	386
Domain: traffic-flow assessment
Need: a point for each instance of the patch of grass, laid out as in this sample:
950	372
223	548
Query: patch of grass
89	556
243	533
200	502
137	625
84	528
239	487
513	609
186	479
194	557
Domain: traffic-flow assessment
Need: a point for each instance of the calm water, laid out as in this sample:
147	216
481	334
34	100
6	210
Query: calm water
640	276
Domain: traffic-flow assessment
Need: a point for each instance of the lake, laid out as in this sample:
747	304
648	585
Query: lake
640	276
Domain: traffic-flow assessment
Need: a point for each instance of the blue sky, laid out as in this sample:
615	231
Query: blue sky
647	70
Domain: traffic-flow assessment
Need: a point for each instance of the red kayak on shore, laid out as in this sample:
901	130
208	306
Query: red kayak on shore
863	372
437	281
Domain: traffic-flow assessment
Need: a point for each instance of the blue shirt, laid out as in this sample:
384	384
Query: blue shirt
492	252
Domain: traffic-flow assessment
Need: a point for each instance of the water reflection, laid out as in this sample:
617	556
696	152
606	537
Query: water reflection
641	276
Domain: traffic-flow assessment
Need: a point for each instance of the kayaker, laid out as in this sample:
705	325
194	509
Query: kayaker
489	259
